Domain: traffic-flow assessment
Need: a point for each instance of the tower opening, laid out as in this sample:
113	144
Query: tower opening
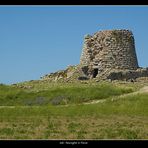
95	72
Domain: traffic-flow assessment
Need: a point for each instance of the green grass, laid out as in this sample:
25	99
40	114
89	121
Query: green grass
134	105
124	118
59	94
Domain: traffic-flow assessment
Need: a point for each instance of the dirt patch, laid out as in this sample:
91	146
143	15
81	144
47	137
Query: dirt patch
144	89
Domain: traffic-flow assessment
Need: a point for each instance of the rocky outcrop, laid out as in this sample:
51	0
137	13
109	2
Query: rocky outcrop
71	73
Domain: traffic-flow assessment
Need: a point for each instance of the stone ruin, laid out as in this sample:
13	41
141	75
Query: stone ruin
108	54
111	54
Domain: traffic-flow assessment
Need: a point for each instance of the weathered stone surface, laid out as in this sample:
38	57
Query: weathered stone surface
109	49
71	73
127	74
106	55
83	78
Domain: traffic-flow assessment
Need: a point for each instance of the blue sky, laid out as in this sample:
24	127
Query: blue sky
37	40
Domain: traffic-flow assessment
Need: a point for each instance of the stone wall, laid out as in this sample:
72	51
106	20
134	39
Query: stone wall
106	55
127	74
111	49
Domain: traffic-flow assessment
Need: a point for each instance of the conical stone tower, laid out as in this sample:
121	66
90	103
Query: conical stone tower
109	49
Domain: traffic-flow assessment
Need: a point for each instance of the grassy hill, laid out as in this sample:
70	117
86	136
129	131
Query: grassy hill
57	93
44	110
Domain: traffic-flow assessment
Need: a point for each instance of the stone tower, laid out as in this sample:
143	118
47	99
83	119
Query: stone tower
110	49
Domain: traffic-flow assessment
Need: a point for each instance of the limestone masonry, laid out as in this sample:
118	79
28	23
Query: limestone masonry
111	49
108	54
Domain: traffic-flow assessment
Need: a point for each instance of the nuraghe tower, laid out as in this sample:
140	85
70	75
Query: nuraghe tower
108	54
108	50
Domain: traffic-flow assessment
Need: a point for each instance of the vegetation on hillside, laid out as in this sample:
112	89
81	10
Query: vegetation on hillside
120	119
36	110
59	94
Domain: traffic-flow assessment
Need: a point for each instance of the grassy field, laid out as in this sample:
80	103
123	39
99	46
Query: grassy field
56	94
123	118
